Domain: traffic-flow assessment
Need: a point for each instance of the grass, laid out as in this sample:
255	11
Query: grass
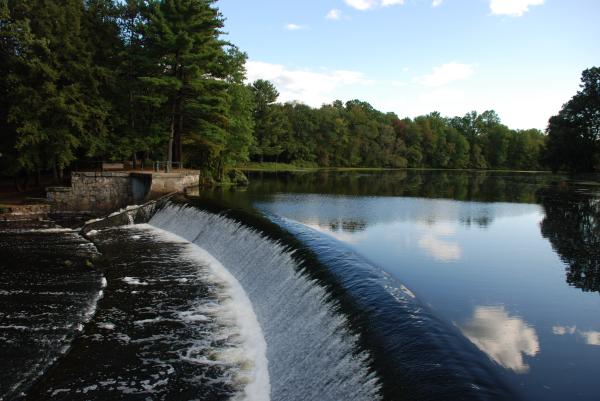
285	167
268	166
4	208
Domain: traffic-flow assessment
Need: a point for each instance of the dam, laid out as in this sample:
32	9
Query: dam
238	295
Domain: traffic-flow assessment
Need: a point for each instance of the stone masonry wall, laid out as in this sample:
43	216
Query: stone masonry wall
91	191
105	191
164	183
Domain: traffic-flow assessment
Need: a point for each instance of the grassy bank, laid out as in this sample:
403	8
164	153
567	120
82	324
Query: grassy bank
268	166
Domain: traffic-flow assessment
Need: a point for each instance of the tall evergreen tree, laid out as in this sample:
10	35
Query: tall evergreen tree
56	110
183	37
268	118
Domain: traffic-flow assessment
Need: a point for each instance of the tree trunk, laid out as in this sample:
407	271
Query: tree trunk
17	184
54	173
178	147
171	136
220	169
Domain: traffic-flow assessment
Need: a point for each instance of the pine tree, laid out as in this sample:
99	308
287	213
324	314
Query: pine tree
56	109
188	82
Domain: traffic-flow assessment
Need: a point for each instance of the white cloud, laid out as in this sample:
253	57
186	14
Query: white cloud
370	4
436	3
513	8
361	4
398	84
502	337
386	3
334	14
447	73
295	27
310	87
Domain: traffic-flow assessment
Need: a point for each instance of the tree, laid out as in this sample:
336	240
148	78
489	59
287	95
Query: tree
56	111
189	79
269	120
574	133
240	124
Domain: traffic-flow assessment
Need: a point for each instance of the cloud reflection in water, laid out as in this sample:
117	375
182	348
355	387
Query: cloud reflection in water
591	337
436	246
502	337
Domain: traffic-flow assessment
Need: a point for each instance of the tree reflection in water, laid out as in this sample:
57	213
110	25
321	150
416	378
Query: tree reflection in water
572	225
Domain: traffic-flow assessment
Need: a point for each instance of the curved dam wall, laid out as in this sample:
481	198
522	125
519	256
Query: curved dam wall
104	191
335	327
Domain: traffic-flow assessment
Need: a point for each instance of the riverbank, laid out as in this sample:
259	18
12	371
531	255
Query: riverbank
580	178
283	167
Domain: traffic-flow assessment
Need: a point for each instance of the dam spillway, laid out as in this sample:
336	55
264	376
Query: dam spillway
200	305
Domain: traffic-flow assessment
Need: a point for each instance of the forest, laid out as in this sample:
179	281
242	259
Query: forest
83	81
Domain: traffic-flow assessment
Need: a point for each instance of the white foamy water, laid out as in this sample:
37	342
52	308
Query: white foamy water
311	354
133	281
236	308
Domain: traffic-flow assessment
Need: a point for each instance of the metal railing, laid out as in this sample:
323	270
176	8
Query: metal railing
163	166
103	165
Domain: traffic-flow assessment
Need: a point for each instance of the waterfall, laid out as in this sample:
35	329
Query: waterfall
311	353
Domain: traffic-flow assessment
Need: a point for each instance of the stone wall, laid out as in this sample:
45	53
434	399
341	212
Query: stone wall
25	212
164	183
105	191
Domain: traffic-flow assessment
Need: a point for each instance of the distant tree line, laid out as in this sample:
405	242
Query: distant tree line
85	80
355	134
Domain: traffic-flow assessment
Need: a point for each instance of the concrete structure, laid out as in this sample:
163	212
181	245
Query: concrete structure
104	191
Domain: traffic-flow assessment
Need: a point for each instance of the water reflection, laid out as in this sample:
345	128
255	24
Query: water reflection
458	185
562	330
347	225
354	214
435	243
572	224
461	239
591	337
504	338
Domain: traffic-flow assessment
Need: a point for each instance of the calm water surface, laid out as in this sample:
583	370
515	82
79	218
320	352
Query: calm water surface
510	260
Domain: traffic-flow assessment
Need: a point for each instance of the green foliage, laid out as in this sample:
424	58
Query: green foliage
574	133
113	80
56	110
268	120
154	79
356	135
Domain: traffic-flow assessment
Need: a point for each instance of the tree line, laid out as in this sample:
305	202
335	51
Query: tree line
355	134
115	80
142	80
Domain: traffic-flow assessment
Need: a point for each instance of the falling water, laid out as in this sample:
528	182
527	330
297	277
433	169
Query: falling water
311	353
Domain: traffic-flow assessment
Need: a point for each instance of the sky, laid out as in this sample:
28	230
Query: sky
521	58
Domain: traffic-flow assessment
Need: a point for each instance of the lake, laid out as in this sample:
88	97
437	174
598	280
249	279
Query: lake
511	261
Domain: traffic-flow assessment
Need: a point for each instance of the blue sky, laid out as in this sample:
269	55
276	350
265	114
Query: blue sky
522	58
